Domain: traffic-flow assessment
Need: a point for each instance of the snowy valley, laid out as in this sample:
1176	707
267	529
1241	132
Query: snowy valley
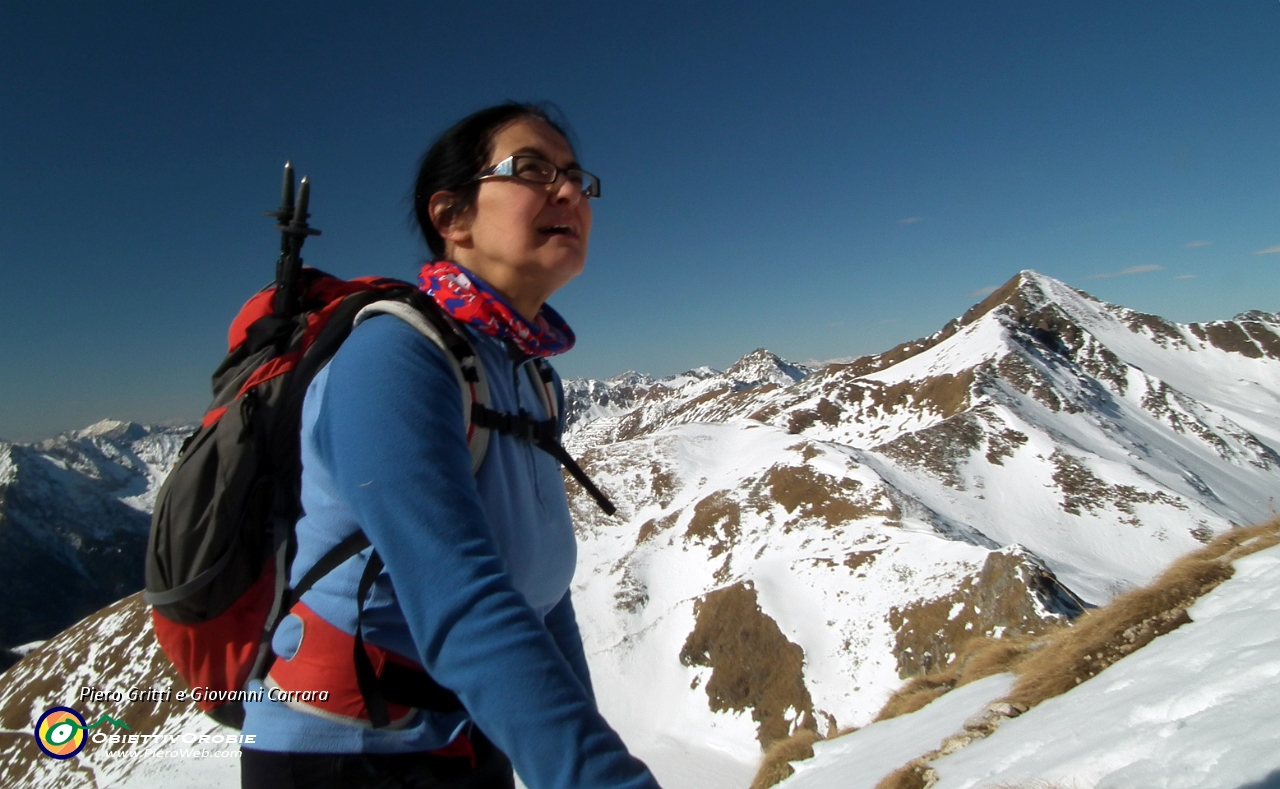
74	514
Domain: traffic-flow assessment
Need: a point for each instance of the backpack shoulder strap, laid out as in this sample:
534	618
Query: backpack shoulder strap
544	383
431	322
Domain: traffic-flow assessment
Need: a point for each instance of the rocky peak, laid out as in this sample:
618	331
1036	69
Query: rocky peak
112	429
1258	316
764	367
630	378
1026	293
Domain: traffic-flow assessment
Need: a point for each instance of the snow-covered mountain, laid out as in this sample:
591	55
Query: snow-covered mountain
74	513
113	651
1042	452
793	543
589	401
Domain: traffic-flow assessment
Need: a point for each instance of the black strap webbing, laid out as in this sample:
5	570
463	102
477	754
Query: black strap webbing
542	434
521	425
366	677
558	452
328	563
336	555
399	684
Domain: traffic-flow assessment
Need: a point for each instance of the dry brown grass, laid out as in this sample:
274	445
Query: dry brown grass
912	775
1071	655
1054	663
776	764
1050	664
916	694
753	664
976	659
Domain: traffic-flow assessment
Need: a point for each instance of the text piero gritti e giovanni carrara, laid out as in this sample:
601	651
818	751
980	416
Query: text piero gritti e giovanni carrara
199	694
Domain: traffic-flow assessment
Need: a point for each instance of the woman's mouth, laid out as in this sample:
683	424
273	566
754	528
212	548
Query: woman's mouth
559	230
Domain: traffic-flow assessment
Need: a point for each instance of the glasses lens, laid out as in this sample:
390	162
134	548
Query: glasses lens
529	168
589	184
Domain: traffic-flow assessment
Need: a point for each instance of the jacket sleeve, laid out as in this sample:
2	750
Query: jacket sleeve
390	426
563	626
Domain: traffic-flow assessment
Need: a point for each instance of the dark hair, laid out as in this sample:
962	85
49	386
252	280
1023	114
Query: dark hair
459	154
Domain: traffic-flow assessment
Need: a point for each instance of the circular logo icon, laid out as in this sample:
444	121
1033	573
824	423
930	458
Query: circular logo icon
60	732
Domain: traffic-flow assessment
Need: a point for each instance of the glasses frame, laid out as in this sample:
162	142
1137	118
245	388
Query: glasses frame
507	169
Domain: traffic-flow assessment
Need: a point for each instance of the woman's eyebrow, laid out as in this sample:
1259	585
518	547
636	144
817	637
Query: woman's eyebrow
541	154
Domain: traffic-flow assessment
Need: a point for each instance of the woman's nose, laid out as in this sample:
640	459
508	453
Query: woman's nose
565	191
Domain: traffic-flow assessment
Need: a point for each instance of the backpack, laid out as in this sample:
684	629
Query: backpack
222	532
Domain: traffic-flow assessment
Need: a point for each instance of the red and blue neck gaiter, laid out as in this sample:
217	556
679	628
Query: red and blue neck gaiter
469	299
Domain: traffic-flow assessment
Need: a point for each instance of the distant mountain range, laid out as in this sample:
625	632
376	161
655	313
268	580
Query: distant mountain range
74	514
792	543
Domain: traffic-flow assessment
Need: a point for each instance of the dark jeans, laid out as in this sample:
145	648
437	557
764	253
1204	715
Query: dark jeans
270	770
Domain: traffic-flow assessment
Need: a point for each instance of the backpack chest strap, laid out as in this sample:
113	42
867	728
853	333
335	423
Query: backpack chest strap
521	425
545	435
480	417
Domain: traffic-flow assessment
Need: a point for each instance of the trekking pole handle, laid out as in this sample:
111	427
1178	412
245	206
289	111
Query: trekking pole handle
291	221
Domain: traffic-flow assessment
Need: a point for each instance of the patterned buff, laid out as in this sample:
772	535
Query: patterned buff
470	300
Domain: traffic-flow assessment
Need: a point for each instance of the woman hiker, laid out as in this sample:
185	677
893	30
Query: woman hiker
475	587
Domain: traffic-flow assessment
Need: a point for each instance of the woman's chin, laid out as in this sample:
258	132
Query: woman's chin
564	266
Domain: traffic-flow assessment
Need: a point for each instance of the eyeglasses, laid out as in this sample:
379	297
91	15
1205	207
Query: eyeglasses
539	171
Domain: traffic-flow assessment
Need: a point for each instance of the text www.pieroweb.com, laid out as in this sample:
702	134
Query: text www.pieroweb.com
172	746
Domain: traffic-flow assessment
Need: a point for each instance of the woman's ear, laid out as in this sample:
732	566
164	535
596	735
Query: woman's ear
453	226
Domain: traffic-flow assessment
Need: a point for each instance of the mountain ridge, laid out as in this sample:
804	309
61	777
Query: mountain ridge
1042	452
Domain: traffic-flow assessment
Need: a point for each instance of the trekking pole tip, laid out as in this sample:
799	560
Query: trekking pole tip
304	197
300	215
285	212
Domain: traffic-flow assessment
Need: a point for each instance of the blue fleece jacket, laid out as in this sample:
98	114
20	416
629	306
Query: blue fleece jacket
478	567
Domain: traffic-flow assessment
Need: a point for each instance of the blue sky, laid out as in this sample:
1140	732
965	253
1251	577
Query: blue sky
819	179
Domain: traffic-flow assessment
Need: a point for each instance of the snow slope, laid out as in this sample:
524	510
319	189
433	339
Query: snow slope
823	566
1194	708
861	759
